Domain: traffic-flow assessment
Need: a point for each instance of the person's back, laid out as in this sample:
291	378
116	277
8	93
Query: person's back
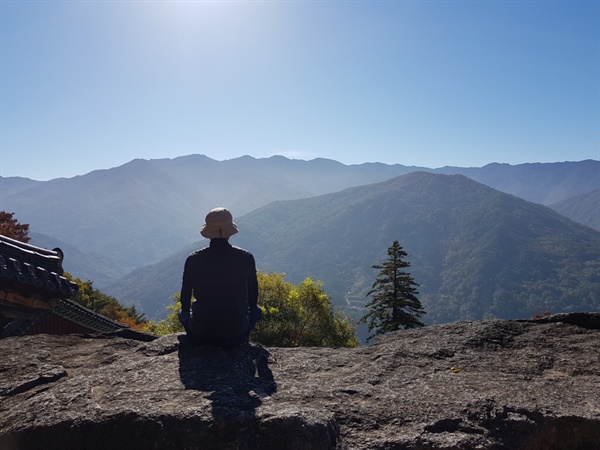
222	278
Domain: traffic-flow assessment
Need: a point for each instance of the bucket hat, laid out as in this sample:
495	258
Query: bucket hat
218	224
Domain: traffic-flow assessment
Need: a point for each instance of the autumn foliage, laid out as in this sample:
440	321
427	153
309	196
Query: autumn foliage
108	306
11	228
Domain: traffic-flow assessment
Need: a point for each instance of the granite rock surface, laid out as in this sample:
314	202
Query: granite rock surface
530	385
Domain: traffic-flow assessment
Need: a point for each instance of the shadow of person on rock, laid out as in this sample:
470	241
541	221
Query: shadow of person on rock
238	378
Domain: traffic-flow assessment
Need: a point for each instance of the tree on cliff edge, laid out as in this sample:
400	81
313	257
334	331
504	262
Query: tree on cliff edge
394	304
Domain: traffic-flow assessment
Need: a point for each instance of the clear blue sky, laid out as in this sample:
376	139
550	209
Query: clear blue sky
90	85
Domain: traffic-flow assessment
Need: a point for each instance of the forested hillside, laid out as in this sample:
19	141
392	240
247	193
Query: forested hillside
476	252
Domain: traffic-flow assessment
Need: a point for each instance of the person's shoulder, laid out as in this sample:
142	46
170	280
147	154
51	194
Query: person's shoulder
197	253
241	250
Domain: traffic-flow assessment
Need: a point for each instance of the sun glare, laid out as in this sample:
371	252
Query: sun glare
184	30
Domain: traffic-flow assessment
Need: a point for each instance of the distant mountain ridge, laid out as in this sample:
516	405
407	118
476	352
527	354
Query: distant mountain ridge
584	208
476	252
13	185
144	211
544	183
137	213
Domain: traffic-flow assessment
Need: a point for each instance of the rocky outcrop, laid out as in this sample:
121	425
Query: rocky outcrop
466	385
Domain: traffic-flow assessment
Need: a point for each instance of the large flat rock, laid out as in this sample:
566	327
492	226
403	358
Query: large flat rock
466	385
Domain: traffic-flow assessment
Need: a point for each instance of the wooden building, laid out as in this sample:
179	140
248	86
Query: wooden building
35	297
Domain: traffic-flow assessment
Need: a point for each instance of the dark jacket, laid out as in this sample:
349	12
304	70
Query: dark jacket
222	279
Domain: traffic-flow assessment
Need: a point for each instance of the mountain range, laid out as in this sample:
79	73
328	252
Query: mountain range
142	211
480	240
476	252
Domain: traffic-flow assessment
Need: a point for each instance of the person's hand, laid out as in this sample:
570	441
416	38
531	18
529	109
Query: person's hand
184	316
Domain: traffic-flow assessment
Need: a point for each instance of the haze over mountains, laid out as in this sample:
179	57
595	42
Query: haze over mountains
476	252
139	213
584	208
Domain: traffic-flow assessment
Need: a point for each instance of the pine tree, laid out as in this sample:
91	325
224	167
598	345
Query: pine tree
394	304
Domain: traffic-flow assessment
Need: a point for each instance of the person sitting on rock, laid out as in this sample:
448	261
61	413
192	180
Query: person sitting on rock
222	279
